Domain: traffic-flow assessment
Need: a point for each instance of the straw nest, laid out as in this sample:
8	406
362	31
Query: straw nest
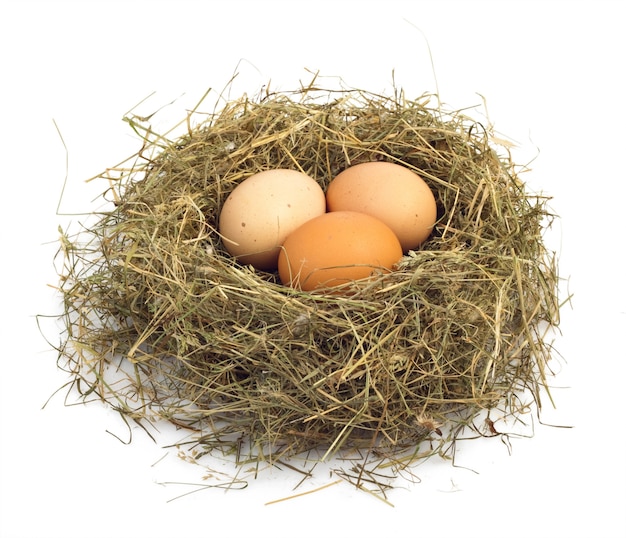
162	323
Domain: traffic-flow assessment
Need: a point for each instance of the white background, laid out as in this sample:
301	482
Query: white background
552	76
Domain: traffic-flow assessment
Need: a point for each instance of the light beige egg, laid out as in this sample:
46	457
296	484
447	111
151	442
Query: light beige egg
390	192
263	210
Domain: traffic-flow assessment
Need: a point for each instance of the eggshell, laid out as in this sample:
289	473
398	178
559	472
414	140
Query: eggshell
336	248
263	210
391	192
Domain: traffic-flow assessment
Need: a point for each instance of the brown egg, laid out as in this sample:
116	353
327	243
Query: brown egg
337	248
390	192
263	210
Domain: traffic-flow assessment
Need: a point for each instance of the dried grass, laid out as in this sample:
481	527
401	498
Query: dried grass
162	323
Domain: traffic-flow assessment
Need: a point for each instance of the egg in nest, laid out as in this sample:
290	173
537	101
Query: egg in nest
390	192
337	248
263	210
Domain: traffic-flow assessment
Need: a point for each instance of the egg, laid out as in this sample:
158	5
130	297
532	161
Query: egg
263	210
337	248
390	192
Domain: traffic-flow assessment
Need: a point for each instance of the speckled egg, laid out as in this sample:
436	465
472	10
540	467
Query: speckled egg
263	210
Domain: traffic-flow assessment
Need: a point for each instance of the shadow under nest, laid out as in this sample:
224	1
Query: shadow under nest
162	323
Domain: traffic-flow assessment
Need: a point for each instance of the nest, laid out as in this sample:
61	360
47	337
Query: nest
162	323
